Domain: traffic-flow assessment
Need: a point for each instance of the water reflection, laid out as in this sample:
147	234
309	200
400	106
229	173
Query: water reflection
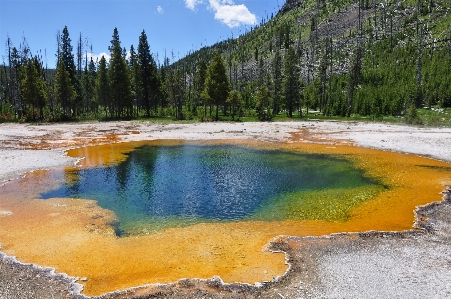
186	184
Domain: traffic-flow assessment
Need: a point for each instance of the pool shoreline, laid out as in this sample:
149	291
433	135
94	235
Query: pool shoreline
277	133
289	245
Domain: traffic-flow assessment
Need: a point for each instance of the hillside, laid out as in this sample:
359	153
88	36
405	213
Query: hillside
362	57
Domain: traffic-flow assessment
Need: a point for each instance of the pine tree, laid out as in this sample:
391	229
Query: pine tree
102	87
264	104
236	102
286	41
290	81
217	85
162	75
15	71
174	86
88	87
134	78
199	82
121	99
64	90
148	80
67	57
79	58
277	79
323	79
355	75
33	88
261	71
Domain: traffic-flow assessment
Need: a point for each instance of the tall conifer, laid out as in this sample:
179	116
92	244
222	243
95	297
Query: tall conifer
33	88
121	99
64	89
290	81
88	87
277	79
199	81
134	78
147	81
67	57
217	84
102	87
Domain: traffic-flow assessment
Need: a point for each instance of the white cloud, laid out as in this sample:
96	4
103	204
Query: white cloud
97	57
160	10
232	15
227	12
127	56
191	4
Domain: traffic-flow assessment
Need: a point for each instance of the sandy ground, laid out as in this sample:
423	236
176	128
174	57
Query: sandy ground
370	265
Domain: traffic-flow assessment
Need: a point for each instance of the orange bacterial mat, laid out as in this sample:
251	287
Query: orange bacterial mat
77	236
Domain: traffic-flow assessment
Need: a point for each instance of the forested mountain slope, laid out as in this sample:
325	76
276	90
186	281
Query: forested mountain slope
363	57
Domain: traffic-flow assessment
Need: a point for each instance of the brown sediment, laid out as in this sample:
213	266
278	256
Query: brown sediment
77	237
56	139
305	135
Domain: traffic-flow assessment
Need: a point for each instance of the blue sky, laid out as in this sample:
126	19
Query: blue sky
174	26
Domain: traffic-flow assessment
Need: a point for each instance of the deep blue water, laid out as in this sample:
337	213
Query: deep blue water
189	184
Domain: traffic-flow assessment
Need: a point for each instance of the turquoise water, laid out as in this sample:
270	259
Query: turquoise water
158	187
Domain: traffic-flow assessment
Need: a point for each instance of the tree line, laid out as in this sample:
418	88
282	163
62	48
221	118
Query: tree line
293	64
129	84
120	87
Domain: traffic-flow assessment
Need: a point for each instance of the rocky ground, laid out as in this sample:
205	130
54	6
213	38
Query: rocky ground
411	264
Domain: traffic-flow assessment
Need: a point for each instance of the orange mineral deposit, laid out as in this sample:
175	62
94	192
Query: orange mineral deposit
77	237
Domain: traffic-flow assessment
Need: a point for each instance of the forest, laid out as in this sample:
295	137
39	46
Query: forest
346	58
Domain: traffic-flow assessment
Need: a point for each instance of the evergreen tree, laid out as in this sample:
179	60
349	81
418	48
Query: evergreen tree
88	88
323	87
411	116
277	79
290	81
163	92
15	72
264	104
64	90
121	98
148	80
355	75
102	87
261	71
236	102
217	85
67	57
134	78
286	41
174	86
199	82
33	88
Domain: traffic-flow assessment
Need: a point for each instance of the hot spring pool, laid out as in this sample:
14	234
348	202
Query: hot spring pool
160	186
158	211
